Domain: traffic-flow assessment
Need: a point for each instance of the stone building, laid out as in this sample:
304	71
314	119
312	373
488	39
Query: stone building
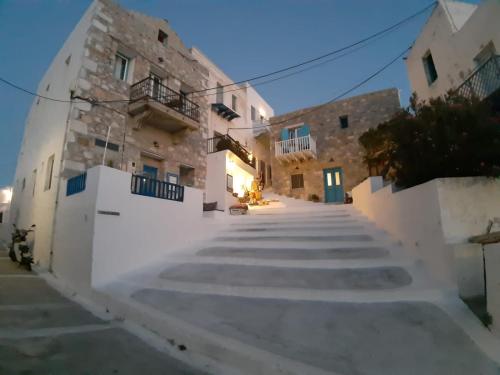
315	151
123	83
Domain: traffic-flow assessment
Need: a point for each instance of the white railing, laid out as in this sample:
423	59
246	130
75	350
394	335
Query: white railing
295	145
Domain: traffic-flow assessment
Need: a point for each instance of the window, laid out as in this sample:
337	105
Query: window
186	175
344	122
253	113
1	217
163	37
234	103
172	178
297	181
121	67
23	184
111	146
48	175
430	68
220	93
229	183
34	182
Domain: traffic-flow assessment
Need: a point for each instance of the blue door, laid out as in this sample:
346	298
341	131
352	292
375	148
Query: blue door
334	185
149	185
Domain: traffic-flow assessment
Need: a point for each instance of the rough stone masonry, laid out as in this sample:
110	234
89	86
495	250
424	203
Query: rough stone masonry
336	146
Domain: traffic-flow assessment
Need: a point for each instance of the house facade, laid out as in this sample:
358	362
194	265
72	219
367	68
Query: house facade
238	137
125	81
458	49
315	153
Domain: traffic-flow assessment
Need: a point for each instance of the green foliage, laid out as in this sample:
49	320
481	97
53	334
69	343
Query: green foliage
447	137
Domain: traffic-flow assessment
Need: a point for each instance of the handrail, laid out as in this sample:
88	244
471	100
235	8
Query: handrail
150	187
150	88
290	146
483	81
226	142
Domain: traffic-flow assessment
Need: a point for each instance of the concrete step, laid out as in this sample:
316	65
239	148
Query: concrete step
338	338
373	278
366	252
302	238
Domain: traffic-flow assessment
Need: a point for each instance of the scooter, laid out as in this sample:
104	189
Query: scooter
19	236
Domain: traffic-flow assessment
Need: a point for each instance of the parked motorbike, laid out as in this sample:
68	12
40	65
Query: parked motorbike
19	238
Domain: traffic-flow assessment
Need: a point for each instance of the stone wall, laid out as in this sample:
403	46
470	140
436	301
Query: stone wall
115	30
336	147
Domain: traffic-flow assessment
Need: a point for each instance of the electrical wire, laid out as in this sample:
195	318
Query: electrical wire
358	85
414	15
345	48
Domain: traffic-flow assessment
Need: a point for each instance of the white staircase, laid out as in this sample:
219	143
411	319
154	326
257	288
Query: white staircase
304	288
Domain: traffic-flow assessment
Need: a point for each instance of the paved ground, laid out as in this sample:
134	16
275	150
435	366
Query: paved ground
41	332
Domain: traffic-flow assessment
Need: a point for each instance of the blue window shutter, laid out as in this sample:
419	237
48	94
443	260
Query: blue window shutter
304	130
284	134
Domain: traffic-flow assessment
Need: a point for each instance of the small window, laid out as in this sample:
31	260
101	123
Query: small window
68	60
430	68
253	113
47	88
163	37
111	146
34	182
186	175
297	181
220	93
1	217
48	176
121	67
229	183
172	178
344	122
23	184
234	103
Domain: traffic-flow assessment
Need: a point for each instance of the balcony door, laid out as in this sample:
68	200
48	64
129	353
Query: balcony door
489	80
334	185
156	87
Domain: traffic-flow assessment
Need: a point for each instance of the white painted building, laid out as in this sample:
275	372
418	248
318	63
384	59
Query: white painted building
456	42
238	142
5	225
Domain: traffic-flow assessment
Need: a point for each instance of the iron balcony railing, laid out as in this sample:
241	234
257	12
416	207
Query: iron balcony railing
226	142
294	145
76	184
150	187
151	88
484	81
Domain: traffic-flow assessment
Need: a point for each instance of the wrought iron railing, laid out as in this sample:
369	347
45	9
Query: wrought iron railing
150	187
226	142
76	184
484	81
300	144
151	88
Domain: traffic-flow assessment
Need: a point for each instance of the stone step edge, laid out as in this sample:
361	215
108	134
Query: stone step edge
206	350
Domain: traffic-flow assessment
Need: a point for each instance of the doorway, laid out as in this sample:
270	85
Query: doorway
334	185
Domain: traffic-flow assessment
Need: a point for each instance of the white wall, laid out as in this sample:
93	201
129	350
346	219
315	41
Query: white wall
92	248
454	36
492	260
430	218
44	136
5	225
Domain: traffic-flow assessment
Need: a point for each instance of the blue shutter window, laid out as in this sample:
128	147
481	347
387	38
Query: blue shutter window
284	134
304	131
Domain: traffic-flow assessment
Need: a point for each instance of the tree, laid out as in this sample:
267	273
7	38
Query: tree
446	137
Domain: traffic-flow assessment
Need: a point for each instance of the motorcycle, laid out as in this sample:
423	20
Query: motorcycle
19	237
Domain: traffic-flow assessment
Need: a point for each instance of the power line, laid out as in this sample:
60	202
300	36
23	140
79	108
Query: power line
369	78
360	42
349	52
326	54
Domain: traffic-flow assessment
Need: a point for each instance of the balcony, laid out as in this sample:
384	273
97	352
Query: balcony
484	81
296	149
155	104
226	142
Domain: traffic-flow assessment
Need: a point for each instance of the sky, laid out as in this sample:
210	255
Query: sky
245	38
